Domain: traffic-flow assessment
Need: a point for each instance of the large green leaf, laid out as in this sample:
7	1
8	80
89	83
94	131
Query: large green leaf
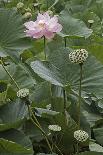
20	73
33	132
95	147
12	37
47	71
17	137
97	50
90	153
98	133
46	154
9	147
68	126
92	70
39	95
42	112
73	27
60	71
12	115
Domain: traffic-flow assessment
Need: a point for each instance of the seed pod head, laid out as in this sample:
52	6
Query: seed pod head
23	93
54	128
81	135
78	56
20	5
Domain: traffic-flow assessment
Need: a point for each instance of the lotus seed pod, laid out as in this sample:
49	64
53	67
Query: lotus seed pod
54	128
27	15
23	93
78	56
20	5
81	135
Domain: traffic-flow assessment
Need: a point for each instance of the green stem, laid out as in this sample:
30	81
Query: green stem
39	9
77	148
58	149
37	124
3	3
45	47
53	144
65	41
64	92
64	97
2	63
43	134
47	4
79	100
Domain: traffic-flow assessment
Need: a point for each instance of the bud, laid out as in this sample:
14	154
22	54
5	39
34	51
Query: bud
78	56
23	93
28	10
54	127
81	135
36	4
90	21
20	5
27	15
50	12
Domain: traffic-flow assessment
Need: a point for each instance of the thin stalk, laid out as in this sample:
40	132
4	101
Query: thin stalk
9	74
44	47
64	97
77	148
64	92
37	124
47	4
39	9
53	144
3	3
79	100
58	149
65	41
43	134
34	117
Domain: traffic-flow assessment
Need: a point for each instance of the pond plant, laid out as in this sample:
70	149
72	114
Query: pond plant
51	77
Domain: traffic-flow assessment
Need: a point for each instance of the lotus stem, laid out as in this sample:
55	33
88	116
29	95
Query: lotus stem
64	97
64	92
79	99
37	124
65	41
47	4
2	63
45	47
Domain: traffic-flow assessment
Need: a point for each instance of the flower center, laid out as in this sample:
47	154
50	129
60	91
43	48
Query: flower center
41	24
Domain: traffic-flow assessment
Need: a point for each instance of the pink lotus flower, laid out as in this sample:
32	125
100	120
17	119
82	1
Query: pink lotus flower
44	26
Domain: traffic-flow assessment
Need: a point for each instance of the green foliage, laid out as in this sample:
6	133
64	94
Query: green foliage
73	27
53	82
12	115
12	36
